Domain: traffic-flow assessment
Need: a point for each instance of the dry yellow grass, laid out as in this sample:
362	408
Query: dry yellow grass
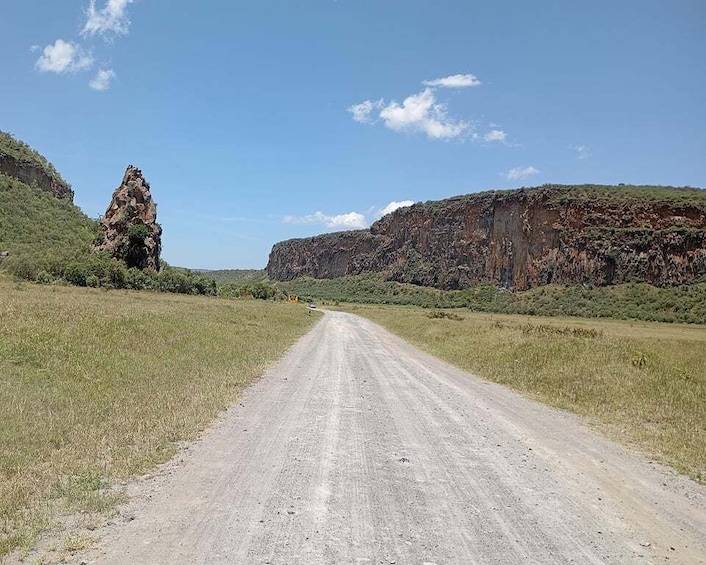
641	383
96	386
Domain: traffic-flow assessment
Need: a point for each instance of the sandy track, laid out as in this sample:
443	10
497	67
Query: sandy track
357	448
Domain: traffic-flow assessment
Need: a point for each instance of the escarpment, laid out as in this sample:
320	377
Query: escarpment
33	173
519	239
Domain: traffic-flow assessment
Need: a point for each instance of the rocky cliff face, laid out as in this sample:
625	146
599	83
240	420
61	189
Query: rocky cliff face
33	174
519	239
130	228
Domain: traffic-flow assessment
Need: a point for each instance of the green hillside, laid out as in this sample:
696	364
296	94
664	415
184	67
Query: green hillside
238	276
38	231
33	223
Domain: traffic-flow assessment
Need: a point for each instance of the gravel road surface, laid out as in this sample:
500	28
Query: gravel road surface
357	448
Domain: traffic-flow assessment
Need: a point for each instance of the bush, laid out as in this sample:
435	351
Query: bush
76	273
438	314
23	268
262	291
137	234
101	270
44	278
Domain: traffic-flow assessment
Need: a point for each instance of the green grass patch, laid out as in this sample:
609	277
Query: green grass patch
97	386
642	383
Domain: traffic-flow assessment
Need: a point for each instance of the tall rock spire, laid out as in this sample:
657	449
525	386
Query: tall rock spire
130	229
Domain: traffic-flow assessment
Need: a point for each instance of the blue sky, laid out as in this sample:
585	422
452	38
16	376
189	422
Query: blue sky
260	121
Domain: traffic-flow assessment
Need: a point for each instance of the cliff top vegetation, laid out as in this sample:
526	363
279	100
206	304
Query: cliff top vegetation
610	194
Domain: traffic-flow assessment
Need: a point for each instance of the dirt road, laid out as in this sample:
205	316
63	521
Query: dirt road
358	449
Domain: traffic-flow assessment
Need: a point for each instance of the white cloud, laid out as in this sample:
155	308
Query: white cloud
454	81
361	112
107	20
495	135
111	19
582	151
102	80
522	173
421	113
392	206
63	57
351	220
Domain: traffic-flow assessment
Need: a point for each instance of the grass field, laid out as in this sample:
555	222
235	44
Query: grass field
97	386
641	383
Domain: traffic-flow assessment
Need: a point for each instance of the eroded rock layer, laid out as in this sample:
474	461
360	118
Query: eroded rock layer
519	239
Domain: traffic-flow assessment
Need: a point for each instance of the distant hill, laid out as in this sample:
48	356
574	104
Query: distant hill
237	276
519	239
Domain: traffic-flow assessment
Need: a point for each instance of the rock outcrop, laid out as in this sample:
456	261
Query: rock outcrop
130	229
33	173
519	239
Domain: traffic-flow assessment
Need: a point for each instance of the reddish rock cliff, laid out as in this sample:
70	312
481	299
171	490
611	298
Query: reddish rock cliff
519	239
130	228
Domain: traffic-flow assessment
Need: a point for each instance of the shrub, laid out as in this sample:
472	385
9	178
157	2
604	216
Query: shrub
137	234
44	278
262	291
442	314
23	268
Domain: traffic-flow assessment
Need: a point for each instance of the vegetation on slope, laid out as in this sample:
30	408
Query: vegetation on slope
632	301
35	225
645	384
242	277
99	386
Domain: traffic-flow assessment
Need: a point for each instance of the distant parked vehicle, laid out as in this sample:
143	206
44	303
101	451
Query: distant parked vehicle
312	305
